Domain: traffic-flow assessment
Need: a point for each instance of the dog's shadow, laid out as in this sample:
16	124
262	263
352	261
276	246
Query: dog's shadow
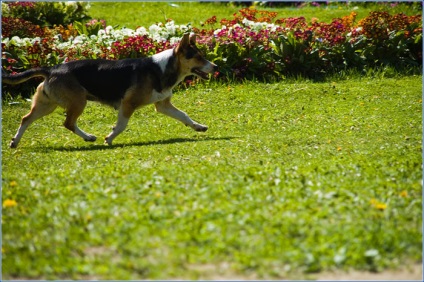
98	147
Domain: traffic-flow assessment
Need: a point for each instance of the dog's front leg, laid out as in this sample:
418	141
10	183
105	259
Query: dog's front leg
125	112
166	107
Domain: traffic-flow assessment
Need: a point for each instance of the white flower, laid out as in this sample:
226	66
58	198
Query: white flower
35	39
127	32
16	40
170	27
101	33
164	35
183	28
80	39
109	29
272	27
358	30
154	29
257	26
247	22
58	38
158	38
141	31
174	40
64	45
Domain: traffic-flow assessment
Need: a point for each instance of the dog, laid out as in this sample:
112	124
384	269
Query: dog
126	85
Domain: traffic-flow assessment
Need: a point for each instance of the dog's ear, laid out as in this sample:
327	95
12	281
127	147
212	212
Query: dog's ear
184	43
187	40
193	38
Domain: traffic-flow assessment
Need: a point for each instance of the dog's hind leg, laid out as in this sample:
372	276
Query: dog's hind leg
166	107
41	106
125	112
73	110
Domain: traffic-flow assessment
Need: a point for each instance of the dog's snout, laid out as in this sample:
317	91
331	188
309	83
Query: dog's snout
211	67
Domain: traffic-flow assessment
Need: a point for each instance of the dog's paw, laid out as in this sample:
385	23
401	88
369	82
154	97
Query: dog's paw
13	144
200	127
90	138
108	141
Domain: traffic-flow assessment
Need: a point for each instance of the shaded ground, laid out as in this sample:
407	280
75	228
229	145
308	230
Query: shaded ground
222	272
412	272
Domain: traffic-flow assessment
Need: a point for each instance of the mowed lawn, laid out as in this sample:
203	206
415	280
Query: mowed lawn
291	178
136	14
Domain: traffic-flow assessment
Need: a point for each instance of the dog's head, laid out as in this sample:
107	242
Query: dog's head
191	60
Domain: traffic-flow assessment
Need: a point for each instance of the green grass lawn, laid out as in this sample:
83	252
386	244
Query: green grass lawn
135	14
291	178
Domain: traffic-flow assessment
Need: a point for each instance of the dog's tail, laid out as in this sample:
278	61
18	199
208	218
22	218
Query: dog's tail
24	76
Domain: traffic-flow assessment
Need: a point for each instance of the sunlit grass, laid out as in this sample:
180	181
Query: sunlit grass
292	177
135	14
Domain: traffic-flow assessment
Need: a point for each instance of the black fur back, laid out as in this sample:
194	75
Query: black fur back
109	80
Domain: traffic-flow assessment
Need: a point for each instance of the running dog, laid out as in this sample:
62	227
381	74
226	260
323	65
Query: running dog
126	85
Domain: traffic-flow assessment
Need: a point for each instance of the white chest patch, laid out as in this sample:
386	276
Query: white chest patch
159	96
162	58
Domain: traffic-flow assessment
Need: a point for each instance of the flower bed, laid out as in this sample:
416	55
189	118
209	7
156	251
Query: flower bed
252	45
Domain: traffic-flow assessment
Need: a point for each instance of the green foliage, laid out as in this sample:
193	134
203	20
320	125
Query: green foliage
291	178
291	54
47	13
252	44
91	28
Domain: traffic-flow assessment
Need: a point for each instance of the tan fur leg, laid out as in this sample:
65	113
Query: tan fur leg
41	106
73	111
166	107
125	112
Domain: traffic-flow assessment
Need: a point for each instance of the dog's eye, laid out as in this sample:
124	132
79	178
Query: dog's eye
198	57
193	52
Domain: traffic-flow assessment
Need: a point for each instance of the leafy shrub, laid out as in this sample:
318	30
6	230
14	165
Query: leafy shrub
392	39
47	13
90	28
315	49
251	45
